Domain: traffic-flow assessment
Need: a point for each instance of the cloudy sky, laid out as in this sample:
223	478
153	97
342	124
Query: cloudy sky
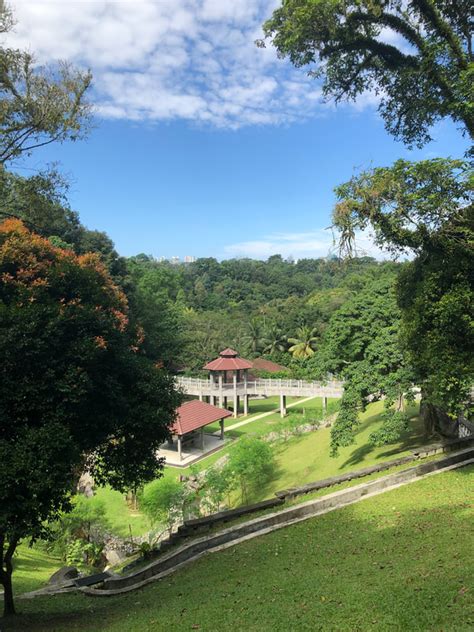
204	144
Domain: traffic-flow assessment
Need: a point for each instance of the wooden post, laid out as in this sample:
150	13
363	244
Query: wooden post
221	422
325	405
246	396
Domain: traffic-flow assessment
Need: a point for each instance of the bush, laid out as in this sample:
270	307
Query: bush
163	501
251	463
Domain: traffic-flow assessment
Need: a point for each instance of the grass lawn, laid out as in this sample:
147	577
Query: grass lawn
32	568
399	561
121	518
306	458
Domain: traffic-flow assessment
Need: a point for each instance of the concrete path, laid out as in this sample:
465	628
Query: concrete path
267	414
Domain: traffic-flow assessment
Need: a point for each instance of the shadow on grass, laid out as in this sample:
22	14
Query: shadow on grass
385	563
410	439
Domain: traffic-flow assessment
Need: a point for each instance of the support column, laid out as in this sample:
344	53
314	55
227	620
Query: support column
236	402
225	402
221	393
202	439
200	395
282	405
325	406
180	452
221	423
246	396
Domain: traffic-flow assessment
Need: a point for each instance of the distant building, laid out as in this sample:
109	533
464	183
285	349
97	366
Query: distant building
189	259
175	261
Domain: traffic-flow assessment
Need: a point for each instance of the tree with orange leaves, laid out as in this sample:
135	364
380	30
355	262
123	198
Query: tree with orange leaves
76	392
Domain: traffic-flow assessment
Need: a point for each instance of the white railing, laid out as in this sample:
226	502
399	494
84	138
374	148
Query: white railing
195	386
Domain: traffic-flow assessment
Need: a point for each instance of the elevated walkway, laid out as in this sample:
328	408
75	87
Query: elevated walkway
266	387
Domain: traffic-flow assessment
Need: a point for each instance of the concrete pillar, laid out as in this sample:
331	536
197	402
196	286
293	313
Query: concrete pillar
236	402
221	423
202	439
180	452
225	402
200	396
282	405
221	393
246	404
325	406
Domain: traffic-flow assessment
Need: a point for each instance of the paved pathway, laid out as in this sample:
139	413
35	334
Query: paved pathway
267	414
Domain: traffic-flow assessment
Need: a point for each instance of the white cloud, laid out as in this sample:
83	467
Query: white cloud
173	59
313	244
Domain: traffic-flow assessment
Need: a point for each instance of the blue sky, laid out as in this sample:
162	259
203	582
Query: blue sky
204	145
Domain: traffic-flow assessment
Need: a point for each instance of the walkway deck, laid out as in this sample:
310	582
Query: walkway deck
266	387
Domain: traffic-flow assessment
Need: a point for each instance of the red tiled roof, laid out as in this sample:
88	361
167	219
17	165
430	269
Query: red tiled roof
268	365
228	353
195	414
228	360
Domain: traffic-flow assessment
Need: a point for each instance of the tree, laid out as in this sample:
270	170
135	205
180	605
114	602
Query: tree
424	209
254	337
275	340
38	105
416	55
76	392
251	463
163	502
304	344
361	345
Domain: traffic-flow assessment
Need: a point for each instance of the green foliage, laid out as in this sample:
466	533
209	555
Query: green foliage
416	55
76	391
38	105
163	501
426	209
361	344
251	463
217	483
304	345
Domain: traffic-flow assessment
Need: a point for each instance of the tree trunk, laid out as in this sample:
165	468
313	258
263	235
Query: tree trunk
8	603
6	571
428	415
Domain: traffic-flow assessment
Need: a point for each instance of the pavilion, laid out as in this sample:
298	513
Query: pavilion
226	372
191	419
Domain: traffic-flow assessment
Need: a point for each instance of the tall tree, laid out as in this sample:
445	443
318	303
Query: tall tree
76	392
38	105
424	209
361	344
417	56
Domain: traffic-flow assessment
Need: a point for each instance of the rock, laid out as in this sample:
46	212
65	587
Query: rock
86	485
64	574
114	557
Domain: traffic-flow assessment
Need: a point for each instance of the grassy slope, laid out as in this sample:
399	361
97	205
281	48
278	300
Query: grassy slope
398	561
301	460
32	568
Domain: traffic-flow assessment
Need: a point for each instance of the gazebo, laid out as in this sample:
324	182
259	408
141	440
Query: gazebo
192	417
226	372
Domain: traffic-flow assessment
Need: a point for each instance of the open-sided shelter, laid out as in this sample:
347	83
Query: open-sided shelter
191	419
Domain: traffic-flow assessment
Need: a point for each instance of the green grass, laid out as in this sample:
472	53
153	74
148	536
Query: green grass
32	568
121	518
399	561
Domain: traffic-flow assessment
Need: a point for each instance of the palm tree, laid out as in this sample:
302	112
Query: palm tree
254	336
303	346
275	340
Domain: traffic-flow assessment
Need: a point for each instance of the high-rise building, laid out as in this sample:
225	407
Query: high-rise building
189	259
